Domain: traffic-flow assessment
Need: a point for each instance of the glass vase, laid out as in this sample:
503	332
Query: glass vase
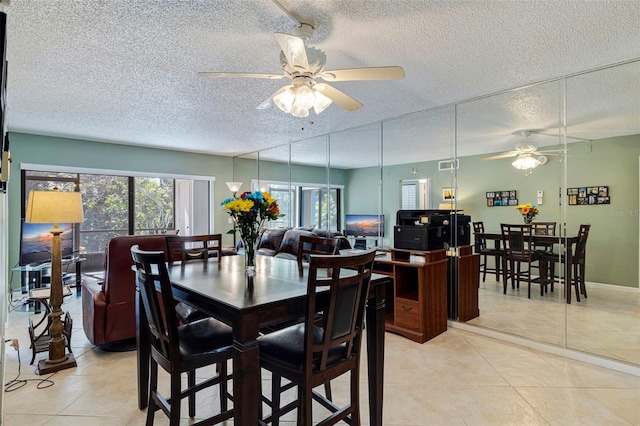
250	248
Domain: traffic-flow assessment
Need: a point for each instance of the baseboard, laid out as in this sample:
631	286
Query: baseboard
620	366
615	287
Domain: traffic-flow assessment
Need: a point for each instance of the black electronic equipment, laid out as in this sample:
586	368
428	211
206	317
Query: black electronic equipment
431	229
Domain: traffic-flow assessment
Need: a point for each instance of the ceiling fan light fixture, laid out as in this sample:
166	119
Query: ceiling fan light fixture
285	100
298	100
322	102
525	162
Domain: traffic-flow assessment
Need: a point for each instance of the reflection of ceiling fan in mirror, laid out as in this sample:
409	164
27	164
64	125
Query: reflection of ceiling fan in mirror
527	153
303	65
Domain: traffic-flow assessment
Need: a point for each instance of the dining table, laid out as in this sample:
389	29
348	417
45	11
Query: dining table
565	241
276	294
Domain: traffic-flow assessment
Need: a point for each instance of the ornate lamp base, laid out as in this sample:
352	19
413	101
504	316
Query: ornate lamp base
46	366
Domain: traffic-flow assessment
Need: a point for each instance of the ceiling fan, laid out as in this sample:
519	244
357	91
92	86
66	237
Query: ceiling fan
304	65
527	152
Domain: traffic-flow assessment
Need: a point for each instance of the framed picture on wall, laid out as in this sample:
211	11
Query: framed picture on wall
588	195
502	198
448	194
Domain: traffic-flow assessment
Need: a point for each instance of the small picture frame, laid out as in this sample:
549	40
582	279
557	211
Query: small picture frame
448	194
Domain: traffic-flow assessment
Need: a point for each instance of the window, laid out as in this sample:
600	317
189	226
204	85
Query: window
113	205
306	205
319	208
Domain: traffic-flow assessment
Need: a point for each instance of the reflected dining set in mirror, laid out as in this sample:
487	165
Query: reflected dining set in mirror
277	294
517	249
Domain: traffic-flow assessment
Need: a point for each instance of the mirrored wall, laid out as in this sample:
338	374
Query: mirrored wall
583	132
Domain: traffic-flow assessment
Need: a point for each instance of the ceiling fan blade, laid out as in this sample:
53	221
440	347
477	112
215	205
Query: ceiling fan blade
294	50
373	73
241	75
338	97
267	103
503	155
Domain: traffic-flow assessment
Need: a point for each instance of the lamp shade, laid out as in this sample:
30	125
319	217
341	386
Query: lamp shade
234	186
54	207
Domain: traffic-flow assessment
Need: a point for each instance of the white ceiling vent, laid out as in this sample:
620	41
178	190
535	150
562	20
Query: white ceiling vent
448	164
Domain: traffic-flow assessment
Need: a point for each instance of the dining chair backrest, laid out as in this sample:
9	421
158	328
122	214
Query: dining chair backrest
341	320
189	247
309	245
581	244
517	239
544	228
480	243
158	305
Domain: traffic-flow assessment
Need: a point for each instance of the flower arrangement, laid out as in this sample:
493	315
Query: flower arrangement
249	212
529	212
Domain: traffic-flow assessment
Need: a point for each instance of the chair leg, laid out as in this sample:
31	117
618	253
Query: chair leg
191	382
583	286
276	385
355	399
484	268
327	391
153	388
304	409
575	281
224	388
498	261
176	389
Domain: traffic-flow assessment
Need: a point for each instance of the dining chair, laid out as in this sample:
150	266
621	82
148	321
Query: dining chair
179	349
187	248
543	228
323	347
520	255
577	261
192	247
309	245
485	252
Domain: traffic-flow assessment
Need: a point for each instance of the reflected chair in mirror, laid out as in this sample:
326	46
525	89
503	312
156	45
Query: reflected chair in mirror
485	252
179	349
577	261
543	228
325	346
520	256
315	245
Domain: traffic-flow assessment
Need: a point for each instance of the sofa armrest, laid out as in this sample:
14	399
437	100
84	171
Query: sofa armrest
94	311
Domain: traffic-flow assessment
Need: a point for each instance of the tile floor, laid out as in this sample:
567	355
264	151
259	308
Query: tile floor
458	378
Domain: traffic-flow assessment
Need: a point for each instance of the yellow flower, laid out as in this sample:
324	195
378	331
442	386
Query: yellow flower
239	205
268	198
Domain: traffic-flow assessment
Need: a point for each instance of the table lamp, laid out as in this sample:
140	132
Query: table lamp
55	207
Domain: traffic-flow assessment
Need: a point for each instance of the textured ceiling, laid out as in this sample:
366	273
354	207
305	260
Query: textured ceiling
125	71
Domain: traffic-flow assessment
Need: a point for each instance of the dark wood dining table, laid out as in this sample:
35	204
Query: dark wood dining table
566	242
276	294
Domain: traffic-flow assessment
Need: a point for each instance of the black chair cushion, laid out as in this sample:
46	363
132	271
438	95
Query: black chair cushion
187	313
204	337
286	347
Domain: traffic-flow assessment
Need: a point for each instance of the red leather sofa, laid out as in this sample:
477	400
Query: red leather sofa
108	307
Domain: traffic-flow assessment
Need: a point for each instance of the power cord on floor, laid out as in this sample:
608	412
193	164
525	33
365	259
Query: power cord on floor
17	383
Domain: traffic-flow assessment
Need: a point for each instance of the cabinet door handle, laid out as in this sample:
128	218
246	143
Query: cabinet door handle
407	308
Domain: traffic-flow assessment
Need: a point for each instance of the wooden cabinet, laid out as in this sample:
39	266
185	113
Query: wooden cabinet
417	299
467	278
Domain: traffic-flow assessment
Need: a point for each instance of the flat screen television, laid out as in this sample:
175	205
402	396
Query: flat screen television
35	242
364	225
